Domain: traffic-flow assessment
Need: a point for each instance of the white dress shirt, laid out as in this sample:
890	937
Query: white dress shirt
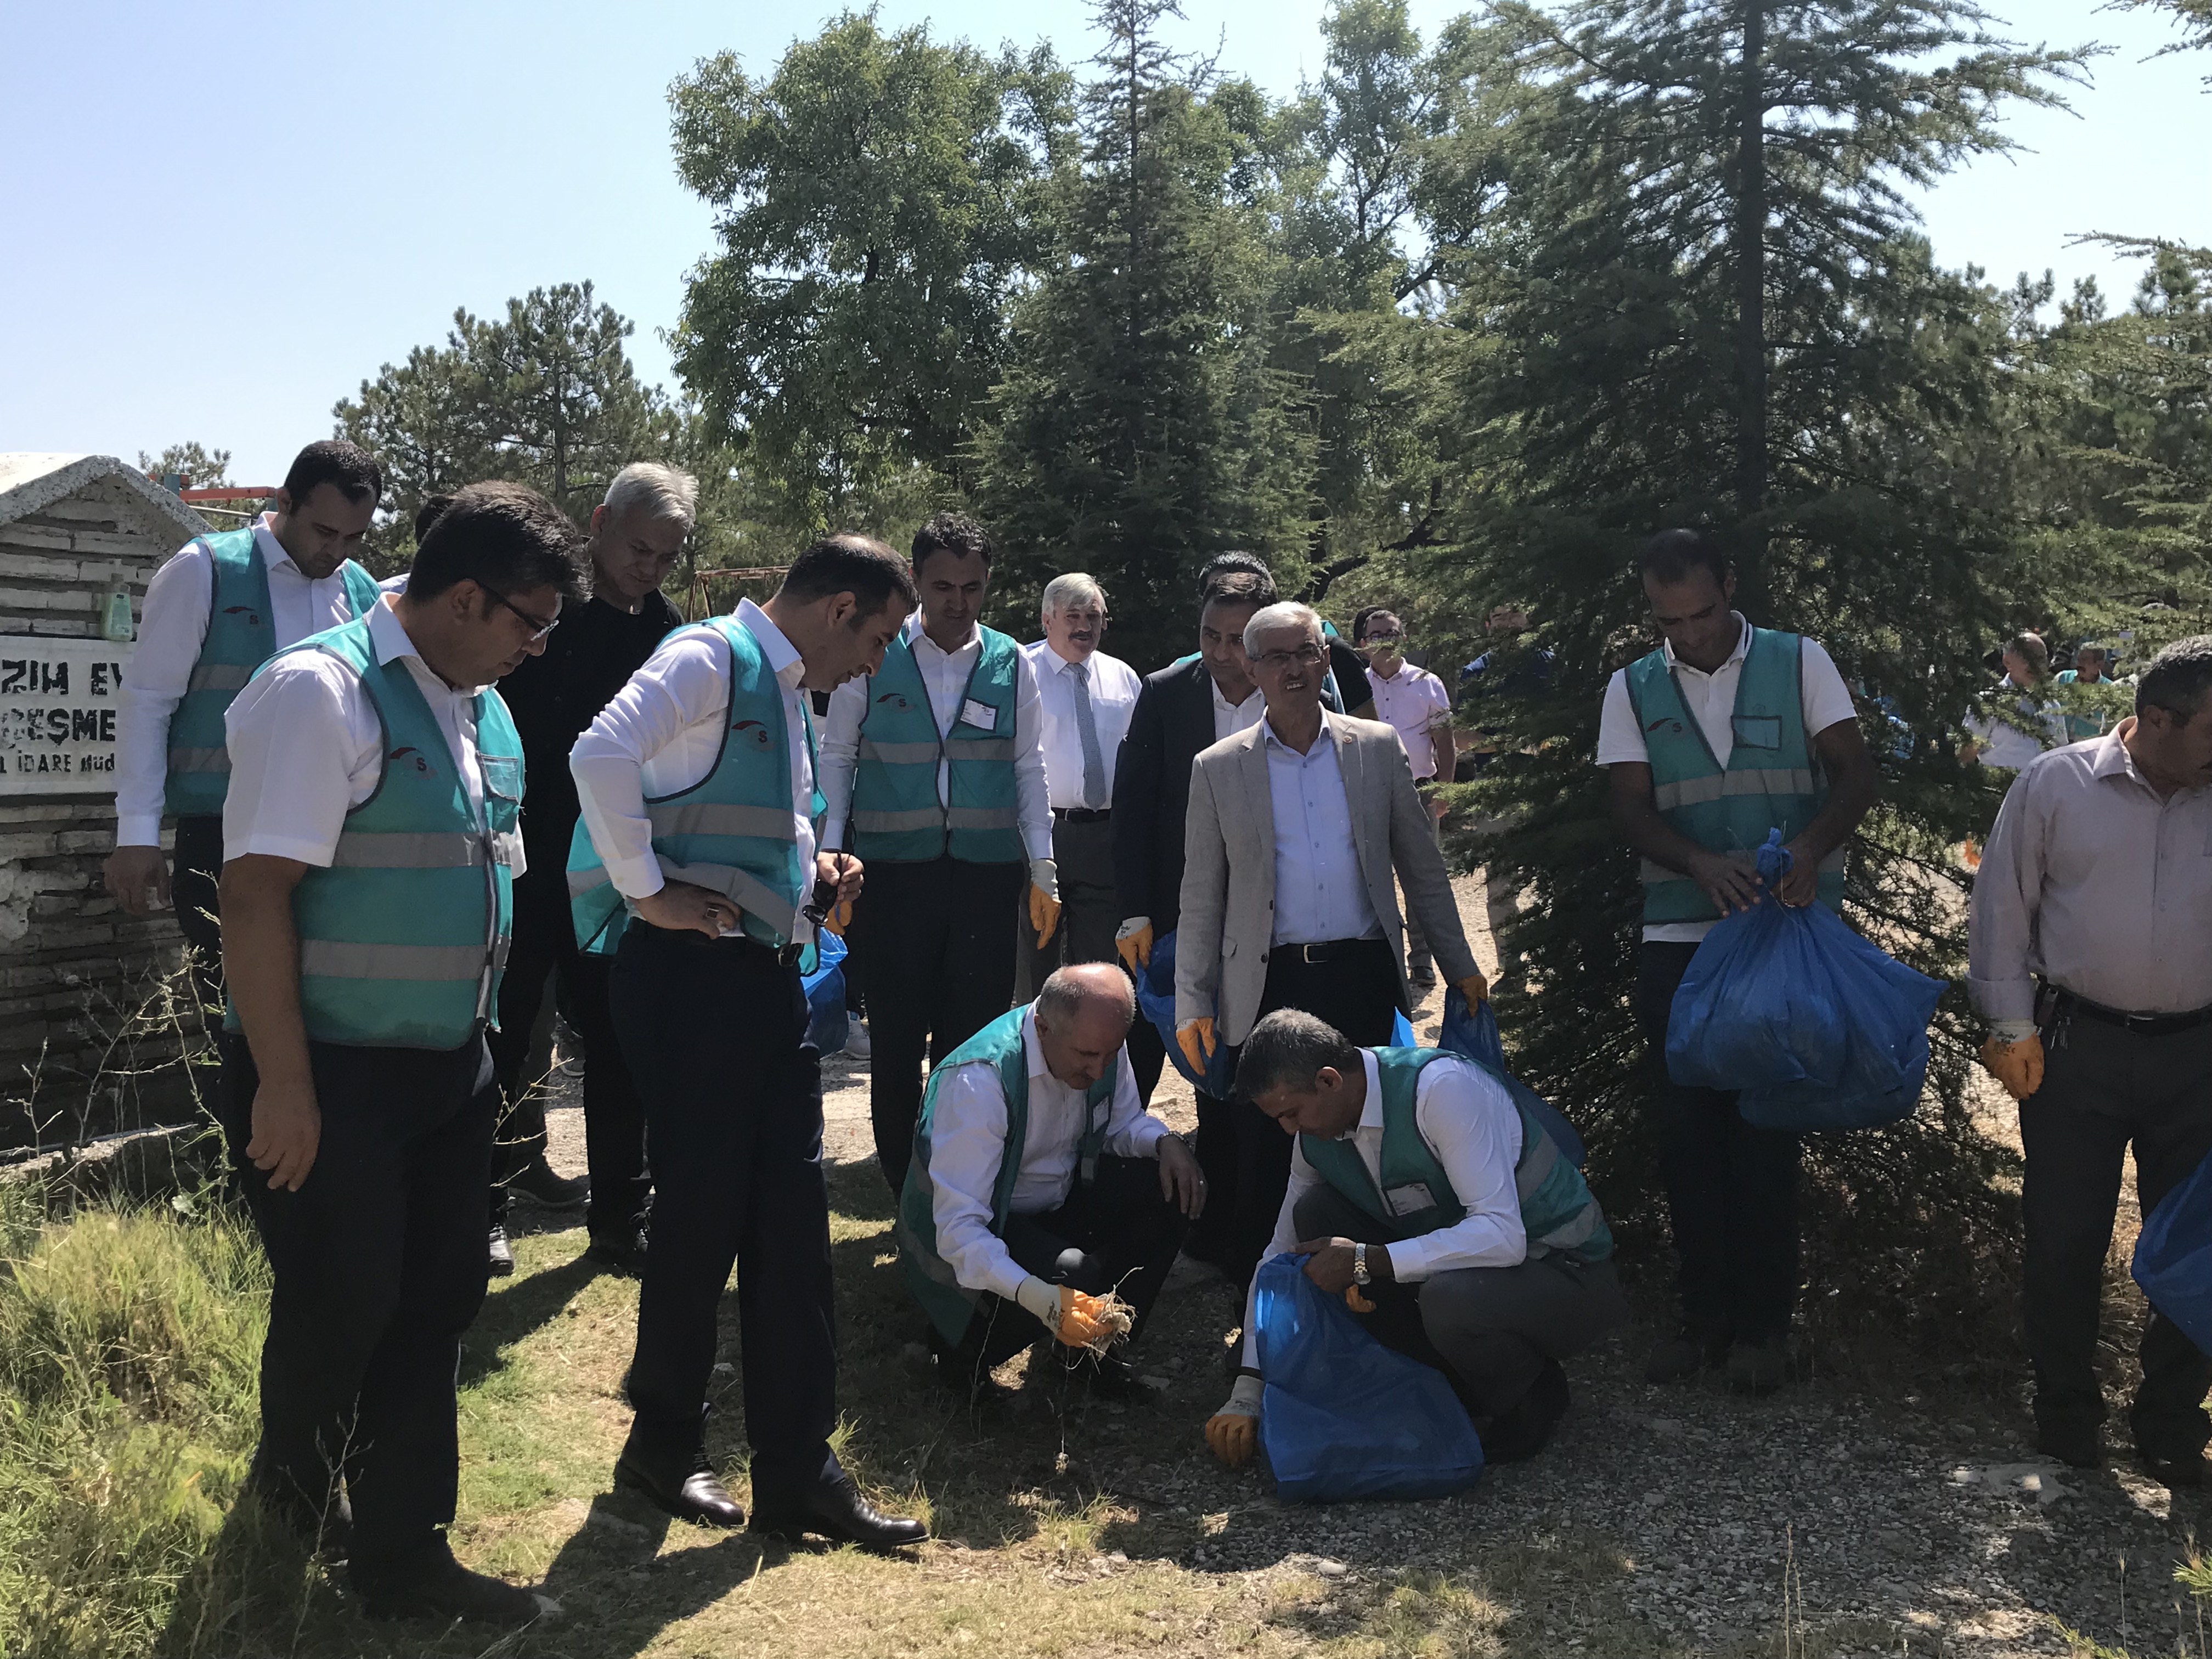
1319	894
172	628
1472	1126
1413	700
1113	687
945	676
967	1149
1230	718
306	747
662	734
1824	700
2000	743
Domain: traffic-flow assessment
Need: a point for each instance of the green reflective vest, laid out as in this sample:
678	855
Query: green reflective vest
241	635
1772	780
732	830
404	936
1415	1197
999	1044
896	814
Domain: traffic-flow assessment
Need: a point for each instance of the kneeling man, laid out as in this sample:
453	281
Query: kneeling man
1439	1208
1039	1183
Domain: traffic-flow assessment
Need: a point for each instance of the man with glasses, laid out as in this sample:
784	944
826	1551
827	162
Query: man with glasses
636	533
1297	827
1415	701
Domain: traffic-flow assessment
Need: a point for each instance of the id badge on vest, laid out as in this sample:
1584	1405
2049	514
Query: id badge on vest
1409	1199
974	712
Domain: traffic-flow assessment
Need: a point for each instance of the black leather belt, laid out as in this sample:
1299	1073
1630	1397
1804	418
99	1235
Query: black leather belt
1082	814
2065	1005
1329	949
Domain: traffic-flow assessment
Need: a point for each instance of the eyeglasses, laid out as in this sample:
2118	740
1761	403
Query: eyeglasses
538	629
1275	661
1384	639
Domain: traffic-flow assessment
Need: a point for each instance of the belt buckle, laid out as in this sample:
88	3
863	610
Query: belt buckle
788	955
1306	954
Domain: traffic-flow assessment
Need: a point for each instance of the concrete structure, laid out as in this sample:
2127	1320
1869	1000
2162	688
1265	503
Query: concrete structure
81	1052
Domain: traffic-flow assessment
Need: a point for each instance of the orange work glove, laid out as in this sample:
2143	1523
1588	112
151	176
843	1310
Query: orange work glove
1082	1318
1195	1038
1044	914
1355	1301
1475	988
1233	1432
839	917
2018	1065
1134	947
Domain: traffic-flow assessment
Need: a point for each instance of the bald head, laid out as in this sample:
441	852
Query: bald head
1083	1017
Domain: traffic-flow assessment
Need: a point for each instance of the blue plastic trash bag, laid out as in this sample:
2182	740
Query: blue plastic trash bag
1474	1035
1156	1002
1343	1417
1816	1027
825	994
2173	1257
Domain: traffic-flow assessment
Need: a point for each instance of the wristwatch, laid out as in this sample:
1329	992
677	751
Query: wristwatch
1359	1264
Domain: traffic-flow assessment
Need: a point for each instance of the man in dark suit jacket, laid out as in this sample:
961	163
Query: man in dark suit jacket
1183	708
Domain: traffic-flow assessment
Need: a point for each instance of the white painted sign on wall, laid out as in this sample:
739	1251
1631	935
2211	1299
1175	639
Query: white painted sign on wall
57	706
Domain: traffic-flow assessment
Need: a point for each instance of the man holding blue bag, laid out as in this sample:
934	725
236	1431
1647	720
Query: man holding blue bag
1723	733
2091	958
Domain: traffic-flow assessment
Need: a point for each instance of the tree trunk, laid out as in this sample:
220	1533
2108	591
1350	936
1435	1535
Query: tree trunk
1751	278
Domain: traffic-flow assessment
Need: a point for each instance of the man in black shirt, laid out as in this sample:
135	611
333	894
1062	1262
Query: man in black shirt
636	534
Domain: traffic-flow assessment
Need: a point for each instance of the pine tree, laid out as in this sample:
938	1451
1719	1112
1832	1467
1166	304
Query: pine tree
1141	426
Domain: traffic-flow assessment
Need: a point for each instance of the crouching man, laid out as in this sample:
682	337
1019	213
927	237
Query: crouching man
1039	1183
1443	1213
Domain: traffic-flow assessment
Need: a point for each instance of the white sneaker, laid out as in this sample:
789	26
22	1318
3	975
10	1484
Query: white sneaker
856	1040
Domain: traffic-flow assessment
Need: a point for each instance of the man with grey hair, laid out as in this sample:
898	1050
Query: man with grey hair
1086	698
636	533
2090	957
1297	827
1038	1184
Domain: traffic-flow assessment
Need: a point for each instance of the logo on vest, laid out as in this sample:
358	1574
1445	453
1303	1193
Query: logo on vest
897	700
253	616
1673	726
413	757
755	732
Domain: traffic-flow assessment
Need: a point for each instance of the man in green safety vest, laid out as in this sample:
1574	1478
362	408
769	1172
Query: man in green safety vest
933	769
1724	733
1425	1194
370	834
217	610
1039	1183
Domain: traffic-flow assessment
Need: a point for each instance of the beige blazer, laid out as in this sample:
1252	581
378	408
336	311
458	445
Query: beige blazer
1228	869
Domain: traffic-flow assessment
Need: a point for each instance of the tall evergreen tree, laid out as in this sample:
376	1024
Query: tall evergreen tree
1141	426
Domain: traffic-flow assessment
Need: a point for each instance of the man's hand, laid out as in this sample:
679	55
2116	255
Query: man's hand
1800	884
2018	1065
1474	987
681	907
1044	914
1195	1038
1133	944
1730	880
287	1128
1233	1432
137	879
841	871
1328	1262
1180	1183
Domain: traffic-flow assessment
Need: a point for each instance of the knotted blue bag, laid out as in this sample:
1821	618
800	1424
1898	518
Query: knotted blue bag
1343	1416
2173	1257
1156	1002
1814	1026
825	994
1474	1033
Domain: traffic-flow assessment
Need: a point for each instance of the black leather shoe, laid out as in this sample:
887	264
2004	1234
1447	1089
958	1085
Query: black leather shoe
1110	1377
1525	1428
2077	1446
1684	1355
2185	1474
502	1254
441	1588
621	1254
696	1495
833	1508
536	1182
326	1531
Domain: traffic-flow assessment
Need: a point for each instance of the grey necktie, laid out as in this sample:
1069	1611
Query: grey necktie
1086	727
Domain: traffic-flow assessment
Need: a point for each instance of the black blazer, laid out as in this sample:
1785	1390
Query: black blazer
1172	721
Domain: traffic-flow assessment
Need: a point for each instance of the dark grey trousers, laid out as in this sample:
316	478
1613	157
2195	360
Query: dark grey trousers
1490	1329
1090	909
2104	1088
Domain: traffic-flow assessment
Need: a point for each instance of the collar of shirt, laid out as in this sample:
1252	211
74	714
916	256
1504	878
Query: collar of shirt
1223	704
389	637
1060	665
1267	728
1405	670
783	658
2113	760
272	552
917	640
1370	1114
1032	1045
1734	657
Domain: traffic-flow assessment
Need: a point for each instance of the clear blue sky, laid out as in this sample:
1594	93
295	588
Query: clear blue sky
220	218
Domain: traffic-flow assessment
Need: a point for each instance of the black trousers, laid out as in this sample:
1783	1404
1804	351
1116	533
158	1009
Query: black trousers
1731	1189
195	886
378	1259
1083	851
715	1032
2105	1088
932	949
1114	1232
1355	990
543	955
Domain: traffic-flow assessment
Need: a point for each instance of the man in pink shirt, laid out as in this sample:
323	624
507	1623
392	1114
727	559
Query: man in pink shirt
1416	702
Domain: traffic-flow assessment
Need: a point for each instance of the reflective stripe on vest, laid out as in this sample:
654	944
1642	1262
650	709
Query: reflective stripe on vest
240	636
421	850
897	814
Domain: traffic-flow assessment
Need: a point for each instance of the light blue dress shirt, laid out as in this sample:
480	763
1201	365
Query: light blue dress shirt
1319	894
